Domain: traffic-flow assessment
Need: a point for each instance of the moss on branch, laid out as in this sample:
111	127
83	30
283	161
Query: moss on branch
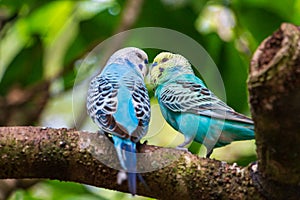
70	155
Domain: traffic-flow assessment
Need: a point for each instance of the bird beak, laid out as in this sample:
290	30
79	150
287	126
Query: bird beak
147	79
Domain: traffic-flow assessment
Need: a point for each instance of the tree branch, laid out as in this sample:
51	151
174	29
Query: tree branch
69	155
274	87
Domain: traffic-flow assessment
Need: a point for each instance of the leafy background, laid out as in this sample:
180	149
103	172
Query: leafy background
43	43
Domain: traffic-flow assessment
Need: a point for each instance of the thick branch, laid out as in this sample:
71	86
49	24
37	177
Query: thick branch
274	87
70	155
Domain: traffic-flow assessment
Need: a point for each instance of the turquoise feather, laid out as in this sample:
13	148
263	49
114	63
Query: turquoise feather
192	109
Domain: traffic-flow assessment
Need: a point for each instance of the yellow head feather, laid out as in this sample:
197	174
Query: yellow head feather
166	60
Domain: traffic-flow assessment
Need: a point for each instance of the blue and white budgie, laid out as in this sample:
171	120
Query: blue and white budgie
118	103
192	109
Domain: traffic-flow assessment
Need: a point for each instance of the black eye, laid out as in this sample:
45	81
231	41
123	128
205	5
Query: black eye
139	56
164	60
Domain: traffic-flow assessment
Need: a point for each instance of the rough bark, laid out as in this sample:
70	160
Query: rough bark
274	86
69	155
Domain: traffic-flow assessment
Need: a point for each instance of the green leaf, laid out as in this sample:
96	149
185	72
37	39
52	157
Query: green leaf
26	68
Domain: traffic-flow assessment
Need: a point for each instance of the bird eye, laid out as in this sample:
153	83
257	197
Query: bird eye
139	56
164	60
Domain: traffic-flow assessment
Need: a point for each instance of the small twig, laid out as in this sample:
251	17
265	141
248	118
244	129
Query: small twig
10	185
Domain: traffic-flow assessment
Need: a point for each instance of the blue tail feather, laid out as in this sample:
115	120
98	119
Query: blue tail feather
131	178
235	132
126	151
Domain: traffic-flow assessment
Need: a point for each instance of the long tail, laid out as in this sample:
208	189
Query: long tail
241	131
233	131
126	150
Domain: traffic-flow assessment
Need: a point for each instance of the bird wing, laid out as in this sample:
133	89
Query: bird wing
102	103
192	96
141	104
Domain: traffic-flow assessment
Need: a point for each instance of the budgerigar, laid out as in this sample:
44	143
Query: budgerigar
192	109
118	103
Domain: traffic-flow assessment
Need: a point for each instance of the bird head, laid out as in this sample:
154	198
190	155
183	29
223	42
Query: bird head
167	66
134	56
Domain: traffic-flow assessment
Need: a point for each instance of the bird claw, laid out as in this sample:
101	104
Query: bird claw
140	145
182	149
122	176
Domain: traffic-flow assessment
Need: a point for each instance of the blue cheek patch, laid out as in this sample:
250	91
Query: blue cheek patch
146	61
154	64
141	66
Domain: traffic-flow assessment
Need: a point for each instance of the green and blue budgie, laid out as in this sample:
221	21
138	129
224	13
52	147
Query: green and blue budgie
192	109
118	103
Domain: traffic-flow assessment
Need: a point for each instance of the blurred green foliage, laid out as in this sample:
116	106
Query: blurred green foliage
44	42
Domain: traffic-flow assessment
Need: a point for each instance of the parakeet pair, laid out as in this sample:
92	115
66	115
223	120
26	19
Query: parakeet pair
118	103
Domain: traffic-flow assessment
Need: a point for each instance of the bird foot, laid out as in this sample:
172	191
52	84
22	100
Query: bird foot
122	176
140	145
182	149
